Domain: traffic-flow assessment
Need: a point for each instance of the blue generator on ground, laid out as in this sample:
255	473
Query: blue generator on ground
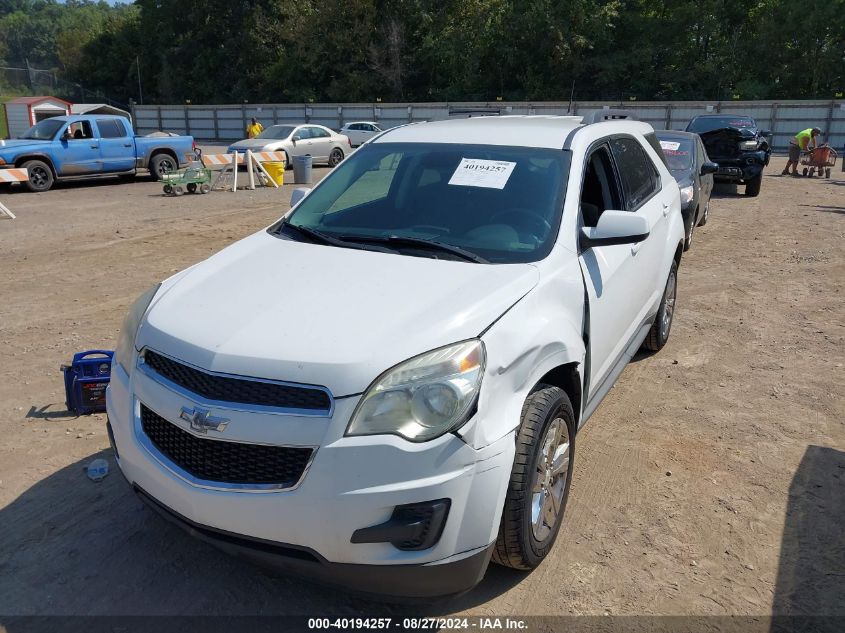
86	379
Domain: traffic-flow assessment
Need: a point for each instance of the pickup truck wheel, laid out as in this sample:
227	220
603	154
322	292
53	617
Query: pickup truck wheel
659	332
540	480
40	175
752	187
161	164
335	157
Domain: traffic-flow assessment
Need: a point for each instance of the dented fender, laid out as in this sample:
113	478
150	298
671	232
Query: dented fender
539	333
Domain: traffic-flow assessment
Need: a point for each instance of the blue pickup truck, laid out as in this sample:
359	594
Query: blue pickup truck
88	146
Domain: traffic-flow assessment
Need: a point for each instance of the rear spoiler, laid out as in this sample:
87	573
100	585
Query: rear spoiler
597	116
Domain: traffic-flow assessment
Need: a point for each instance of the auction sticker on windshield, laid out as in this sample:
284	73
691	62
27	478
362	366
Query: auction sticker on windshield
670	145
477	172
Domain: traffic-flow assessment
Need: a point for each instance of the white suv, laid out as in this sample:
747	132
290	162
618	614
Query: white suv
383	389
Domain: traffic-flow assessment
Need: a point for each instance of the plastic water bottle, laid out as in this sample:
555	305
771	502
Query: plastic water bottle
98	469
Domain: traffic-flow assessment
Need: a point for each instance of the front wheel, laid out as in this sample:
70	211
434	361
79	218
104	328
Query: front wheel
540	480
706	215
40	175
659	332
688	240
162	164
335	157
752	187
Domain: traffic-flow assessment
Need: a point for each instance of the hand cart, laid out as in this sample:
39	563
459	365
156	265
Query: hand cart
820	160
196	177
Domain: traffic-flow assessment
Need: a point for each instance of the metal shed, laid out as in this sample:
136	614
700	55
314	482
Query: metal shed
24	112
98	108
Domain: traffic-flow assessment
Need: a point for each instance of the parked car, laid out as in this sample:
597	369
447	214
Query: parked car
738	145
90	146
324	145
692	168
402	403
360	131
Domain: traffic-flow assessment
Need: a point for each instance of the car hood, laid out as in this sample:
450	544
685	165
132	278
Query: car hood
730	133
255	143
683	176
22	143
272	308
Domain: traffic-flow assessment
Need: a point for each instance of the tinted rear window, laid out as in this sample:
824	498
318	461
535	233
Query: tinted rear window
708	124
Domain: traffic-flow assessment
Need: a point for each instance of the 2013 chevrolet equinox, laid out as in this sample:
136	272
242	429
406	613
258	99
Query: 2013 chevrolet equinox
383	389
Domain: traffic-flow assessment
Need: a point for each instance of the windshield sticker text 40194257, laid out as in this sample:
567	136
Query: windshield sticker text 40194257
477	172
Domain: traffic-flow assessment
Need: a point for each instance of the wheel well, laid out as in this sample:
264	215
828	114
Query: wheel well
566	377
24	159
163	150
678	252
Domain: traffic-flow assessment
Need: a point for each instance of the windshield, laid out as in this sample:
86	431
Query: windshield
702	125
678	152
44	130
277	132
502	204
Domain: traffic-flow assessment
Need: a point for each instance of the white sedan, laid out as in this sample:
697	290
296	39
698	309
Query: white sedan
360	131
324	145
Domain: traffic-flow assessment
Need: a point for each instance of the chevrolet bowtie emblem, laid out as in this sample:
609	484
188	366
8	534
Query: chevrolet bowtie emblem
201	421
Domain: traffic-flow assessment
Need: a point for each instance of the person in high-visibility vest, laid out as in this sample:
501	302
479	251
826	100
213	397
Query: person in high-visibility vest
801	143
254	128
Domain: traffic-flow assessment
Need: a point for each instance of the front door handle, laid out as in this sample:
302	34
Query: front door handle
634	248
665	209
95	146
127	145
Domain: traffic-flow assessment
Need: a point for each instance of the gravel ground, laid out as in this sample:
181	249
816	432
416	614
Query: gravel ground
710	481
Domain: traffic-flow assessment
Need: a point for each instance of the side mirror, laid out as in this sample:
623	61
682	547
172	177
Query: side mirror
615	227
65	136
765	132
298	194
709	168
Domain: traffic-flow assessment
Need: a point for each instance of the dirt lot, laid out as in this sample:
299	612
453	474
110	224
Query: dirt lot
710	481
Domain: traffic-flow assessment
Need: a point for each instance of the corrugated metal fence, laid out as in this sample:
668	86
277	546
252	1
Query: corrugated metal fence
227	122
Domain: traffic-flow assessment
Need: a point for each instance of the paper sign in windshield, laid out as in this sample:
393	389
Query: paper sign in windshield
476	172
670	145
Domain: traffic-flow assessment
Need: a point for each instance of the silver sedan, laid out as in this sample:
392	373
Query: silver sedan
324	145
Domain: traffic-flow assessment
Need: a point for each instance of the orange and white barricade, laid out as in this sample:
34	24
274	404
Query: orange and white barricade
11	175
230	163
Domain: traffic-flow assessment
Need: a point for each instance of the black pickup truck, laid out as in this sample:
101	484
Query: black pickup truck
738	145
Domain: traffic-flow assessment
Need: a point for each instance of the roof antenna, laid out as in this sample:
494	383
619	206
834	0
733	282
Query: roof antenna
571	97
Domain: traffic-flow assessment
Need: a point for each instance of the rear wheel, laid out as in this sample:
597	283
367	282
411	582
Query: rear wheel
161	164
167	189
205	187
178	190
659	332
192	187
40	175
335	157
752	187
540	480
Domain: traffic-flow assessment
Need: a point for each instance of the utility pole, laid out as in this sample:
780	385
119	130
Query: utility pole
140	93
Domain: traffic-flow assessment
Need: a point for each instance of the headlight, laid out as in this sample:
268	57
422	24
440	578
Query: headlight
424	397
126	344
686	194
748	145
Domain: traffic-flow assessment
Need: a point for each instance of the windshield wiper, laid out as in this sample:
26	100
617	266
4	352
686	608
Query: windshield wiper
416	242
319	237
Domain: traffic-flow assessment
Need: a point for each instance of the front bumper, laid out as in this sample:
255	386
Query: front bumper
352	483
748	166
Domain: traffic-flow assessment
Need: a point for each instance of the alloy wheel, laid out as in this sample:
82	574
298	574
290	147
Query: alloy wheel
550	480
669	305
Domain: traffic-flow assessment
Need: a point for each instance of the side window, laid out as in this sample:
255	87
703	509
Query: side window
79	130
600	190
318	132
639	177
655	145
111	128
302	133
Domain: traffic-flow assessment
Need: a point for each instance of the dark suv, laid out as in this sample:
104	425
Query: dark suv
738	144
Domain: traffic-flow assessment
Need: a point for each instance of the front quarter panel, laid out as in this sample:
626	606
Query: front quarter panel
539	333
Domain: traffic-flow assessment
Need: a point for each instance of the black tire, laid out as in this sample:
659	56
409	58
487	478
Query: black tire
40	175
690	230
706	215
660	329
517	545
288	164
827	173
161	164
804	171
752	187
192	187
335	157
167	189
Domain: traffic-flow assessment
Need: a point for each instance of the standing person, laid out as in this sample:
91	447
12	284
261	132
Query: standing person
800	143
254	128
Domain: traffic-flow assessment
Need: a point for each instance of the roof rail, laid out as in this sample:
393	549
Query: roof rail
470	111
597	116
